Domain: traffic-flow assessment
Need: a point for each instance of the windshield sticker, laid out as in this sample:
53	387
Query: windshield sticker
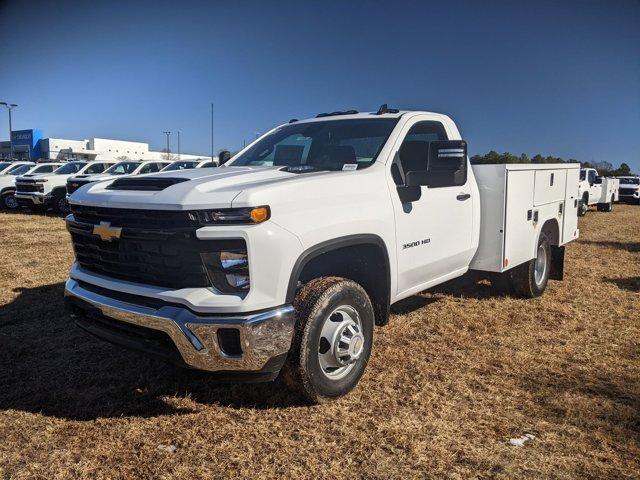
350	166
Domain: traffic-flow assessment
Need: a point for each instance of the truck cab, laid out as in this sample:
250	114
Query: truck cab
284	259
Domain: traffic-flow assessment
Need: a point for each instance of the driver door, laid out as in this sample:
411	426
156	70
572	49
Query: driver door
434	230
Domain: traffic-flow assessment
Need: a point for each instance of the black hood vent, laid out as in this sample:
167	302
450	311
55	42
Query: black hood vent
145	184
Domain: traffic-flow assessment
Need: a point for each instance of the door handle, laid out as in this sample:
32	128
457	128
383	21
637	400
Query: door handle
463	196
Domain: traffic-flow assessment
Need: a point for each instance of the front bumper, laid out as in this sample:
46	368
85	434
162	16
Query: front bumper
32	198
627	196
264	337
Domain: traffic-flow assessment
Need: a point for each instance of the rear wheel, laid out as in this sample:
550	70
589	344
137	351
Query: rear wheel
333	339
9	201
583	206
609	206
530	279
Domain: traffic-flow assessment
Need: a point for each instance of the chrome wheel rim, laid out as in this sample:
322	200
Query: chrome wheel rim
11	202
540	269
341	342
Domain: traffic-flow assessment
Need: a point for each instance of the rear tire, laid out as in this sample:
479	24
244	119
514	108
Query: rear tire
583	206
9	201
332	341
530	279
609	206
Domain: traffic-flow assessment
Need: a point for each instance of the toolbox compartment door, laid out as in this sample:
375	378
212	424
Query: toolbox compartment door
550	186
519	229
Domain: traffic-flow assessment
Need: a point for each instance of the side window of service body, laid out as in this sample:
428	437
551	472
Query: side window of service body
413	156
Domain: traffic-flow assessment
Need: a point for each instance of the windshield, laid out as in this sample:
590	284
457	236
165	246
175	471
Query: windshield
4	165
630	181
73	167
43	169
180	166
122	168
324	145
19	169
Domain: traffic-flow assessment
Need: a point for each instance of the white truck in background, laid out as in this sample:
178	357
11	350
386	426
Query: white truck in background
596	190
629	189
282	260
48	190
8	180
116	170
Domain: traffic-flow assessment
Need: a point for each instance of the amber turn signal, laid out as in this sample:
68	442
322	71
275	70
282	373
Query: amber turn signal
259	214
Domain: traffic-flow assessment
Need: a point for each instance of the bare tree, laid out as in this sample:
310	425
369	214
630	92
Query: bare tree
168	156
122	158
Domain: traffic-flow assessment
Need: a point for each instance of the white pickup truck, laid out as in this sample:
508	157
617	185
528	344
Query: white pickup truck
596	190
42	191
629	190
117	170
8	180
284	259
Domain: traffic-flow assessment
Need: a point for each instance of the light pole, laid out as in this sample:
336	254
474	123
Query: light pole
10	106
168	154
212	132
179	144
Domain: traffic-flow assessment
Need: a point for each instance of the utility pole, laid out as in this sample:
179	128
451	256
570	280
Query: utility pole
168	151
10	106
179	144
212	132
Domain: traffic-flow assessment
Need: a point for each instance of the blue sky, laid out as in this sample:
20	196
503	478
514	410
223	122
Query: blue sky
556	78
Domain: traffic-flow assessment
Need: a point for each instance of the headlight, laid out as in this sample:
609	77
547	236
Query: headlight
228	270
232	216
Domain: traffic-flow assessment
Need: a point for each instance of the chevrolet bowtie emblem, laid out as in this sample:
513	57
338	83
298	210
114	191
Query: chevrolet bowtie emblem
106	232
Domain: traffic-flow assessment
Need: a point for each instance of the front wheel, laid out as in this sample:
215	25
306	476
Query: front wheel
530	279
61	205
333	339
9	201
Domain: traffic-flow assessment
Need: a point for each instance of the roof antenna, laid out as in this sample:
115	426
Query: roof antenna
384	109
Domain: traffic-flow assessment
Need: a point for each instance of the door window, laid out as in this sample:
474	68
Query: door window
95	168
151	168
592	176
414	150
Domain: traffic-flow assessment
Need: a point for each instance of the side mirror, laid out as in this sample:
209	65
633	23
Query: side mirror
409	194
417	178
223	157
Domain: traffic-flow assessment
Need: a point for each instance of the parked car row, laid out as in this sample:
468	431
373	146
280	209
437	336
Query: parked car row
40	186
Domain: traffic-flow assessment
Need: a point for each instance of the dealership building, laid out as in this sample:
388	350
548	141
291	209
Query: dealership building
30	145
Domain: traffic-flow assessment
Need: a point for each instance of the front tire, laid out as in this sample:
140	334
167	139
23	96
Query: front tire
9	201
332	341
530	279
61	205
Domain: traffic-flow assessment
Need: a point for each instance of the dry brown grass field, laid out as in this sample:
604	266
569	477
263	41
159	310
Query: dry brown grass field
454	376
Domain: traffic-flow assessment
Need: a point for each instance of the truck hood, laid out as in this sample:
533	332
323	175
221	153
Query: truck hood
196	189
7	181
